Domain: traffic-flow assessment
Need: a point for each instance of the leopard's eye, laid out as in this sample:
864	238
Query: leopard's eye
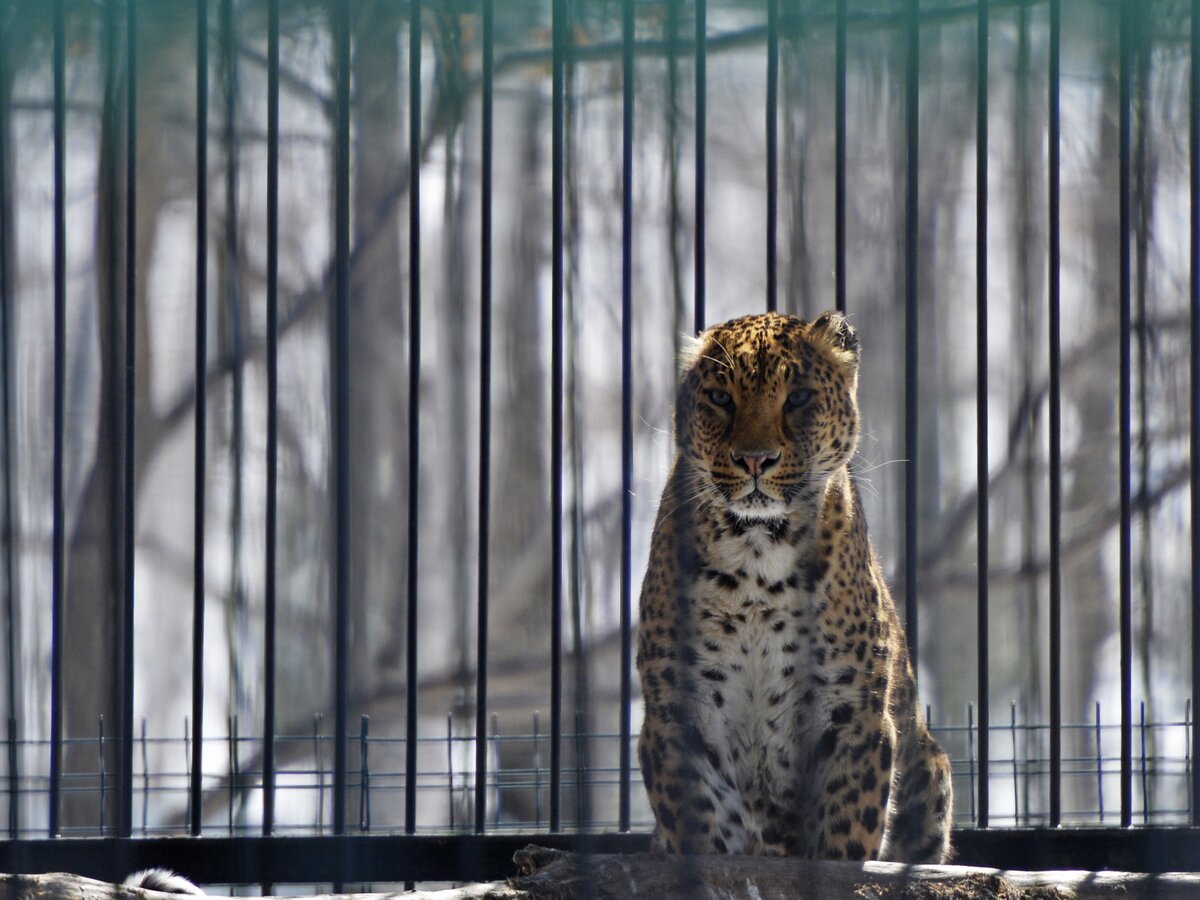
800	398
720	397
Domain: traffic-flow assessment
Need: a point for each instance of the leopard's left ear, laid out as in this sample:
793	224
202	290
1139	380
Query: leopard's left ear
835	329
690	349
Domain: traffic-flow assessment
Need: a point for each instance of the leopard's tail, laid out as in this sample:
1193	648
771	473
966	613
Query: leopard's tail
919	829
164	880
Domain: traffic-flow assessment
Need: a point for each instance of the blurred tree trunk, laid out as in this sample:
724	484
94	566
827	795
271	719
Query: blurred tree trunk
1027	136
455	436
378	414
231	319
12	34
520	498
675	226
1089	578
93	610
454	341
94	578
1145	166
947	109
521	452
580	589
378	361
800	293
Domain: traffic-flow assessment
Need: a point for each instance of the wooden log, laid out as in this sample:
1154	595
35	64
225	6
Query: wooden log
63	886
557	875
551	873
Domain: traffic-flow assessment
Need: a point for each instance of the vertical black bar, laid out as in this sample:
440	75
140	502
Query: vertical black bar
839	174
624	762
102	770
971	738
10	589
1016	771
364	764
911	332
1145	770
197	769
272	326
145	780
340	349
1187	757
319	756
537	771
981	396
701	154
450	767
496	781
1194	286
125	806
234	774
772	150
1055	424
187	761
558	29
1124	413
58	570
582	783
485	414
414	408
1099	765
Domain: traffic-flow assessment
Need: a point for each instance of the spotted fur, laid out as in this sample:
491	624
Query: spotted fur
781	710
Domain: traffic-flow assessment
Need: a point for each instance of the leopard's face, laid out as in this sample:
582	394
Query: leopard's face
767	407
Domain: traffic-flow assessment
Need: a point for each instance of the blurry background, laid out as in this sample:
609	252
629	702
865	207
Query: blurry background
663	273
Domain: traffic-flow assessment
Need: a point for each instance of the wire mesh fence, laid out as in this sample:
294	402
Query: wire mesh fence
517	779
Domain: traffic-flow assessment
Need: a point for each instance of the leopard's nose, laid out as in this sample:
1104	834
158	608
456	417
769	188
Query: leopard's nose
756	461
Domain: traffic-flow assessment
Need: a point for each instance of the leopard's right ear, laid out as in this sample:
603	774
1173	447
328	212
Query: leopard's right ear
835	329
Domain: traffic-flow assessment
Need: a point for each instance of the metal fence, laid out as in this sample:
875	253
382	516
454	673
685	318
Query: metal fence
354	768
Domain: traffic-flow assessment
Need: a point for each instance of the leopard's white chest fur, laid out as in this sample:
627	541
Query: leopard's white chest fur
765	693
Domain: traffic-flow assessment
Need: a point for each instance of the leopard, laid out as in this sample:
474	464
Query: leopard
781	711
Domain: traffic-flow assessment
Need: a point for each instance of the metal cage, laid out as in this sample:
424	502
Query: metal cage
477	846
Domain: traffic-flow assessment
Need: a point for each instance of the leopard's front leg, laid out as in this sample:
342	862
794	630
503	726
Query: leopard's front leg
857	784
690	782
